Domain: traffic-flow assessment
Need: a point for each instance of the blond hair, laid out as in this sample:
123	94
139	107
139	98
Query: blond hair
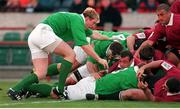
91	13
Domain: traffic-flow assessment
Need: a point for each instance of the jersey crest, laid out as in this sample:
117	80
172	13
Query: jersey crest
166	66
141	35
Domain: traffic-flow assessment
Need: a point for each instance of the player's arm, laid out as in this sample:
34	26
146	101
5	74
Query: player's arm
79	36
99	36
146	90
145	43
90	51
155	35
153	64
130	43
93	69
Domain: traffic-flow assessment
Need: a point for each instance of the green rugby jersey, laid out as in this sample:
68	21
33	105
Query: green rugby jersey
122	35
100	48
117	81
69	27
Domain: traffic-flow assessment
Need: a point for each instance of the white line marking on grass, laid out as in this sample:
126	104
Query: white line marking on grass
35	102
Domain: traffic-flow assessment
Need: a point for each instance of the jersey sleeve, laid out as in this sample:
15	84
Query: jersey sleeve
89	32
98	52
158	32
78	31
91	59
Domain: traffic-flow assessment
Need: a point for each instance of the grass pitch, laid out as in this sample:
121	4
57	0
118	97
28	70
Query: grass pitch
50	103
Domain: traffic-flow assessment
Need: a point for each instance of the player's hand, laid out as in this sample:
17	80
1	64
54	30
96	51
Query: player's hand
133	51
136	54
142	85
102	72
96	75
104	63
140	72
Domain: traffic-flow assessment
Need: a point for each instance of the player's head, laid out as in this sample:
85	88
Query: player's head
114	50
91	17
146	54
173	85
126	58
163	13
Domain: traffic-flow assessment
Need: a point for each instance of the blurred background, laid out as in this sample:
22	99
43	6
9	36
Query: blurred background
19	17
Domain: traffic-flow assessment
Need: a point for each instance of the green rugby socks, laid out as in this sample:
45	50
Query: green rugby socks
65	69
44	90
52	70
27	81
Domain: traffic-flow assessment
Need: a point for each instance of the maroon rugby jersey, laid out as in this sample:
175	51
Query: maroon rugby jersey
159	92
175	7
171	31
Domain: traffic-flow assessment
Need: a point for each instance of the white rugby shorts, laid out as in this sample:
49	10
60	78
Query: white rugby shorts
42	41
79	90
81	56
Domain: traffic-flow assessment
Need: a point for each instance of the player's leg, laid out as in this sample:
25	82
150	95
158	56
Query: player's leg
41	90
37	41
132	94
53	69
77	75
66	51
129	94
80	59
71	79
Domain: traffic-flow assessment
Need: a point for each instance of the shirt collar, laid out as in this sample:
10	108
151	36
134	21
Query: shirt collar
83	17
136	68
171	20
132	64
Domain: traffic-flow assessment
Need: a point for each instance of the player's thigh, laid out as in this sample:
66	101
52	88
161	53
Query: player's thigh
64	50
76	64
83	71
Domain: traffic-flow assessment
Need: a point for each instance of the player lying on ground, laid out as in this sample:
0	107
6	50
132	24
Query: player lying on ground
125	60
110	83
167	89
102	48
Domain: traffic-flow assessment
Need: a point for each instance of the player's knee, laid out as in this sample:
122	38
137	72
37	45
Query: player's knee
70	81
40	75
70	57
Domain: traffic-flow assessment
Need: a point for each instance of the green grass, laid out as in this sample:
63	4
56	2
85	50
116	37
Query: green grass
50	103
